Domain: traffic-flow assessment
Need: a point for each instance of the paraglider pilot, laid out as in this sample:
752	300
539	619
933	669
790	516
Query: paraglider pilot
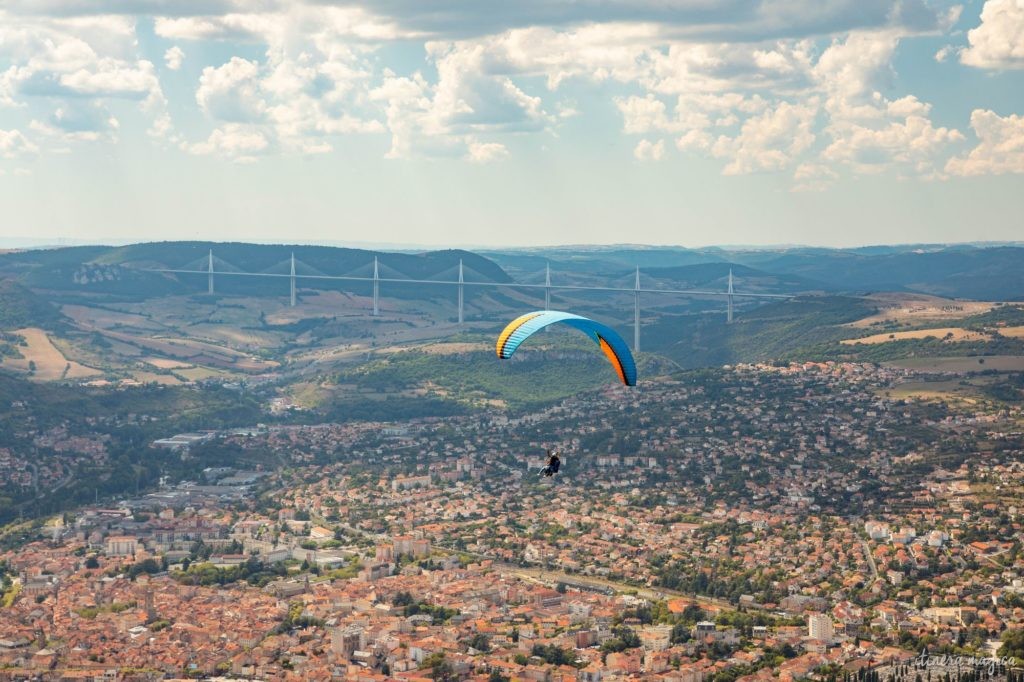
553	464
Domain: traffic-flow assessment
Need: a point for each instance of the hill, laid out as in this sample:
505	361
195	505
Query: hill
775	331
21	307
714	276
122	271
955	271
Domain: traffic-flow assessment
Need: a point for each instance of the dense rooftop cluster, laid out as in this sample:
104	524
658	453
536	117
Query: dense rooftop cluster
753	522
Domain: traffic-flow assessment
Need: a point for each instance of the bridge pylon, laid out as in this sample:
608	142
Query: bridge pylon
292	281
461	288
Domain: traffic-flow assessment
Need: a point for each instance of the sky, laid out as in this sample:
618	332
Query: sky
527	123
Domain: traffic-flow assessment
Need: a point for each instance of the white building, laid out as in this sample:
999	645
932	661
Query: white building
121	545
819	626
877	530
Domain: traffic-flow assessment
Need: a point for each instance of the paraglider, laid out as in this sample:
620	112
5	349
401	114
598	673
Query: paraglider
554	463
609	341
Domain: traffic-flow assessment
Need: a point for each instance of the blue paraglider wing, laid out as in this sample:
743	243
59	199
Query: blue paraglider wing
610	342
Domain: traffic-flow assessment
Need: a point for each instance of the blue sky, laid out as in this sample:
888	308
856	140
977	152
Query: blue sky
460	122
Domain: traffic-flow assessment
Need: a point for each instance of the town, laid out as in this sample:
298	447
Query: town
755	522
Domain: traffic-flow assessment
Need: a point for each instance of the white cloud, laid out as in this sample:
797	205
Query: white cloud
911	140
708	68
813	177
233	141
998	43
74	66
870	133
649	151
944	53
230	92
641	115
280	23
109	78
90	57
13	143
470	97
173	57
767	85
483	152
849	68
768	141
313	83
1000	146
692	112
698	140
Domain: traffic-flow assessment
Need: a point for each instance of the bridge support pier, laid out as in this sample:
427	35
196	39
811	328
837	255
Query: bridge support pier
292	281
636	312
209	270
729	300
547	286
461	287
376	288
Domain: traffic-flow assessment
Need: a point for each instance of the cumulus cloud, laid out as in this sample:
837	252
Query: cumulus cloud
641	115
314	82
813	177
235	27
13	143
74	67
998	43
234	142
173	57
1000	146
768	141
900	132
868	132
763	86
278	23
230	92
646	150
468	99
483	152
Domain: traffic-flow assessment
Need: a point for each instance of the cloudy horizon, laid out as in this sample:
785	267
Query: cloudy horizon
688	122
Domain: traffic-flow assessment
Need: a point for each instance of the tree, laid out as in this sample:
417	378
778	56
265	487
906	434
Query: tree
480	642
92	562
1013	644
441	669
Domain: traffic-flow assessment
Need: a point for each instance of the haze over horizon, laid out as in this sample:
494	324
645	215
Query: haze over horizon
44	243
540	124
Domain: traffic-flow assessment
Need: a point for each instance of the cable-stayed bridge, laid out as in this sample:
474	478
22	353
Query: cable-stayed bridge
378	273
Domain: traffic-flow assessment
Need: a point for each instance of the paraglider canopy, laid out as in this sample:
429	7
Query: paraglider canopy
610	342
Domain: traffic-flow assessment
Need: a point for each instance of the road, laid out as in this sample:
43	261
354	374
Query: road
871	559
